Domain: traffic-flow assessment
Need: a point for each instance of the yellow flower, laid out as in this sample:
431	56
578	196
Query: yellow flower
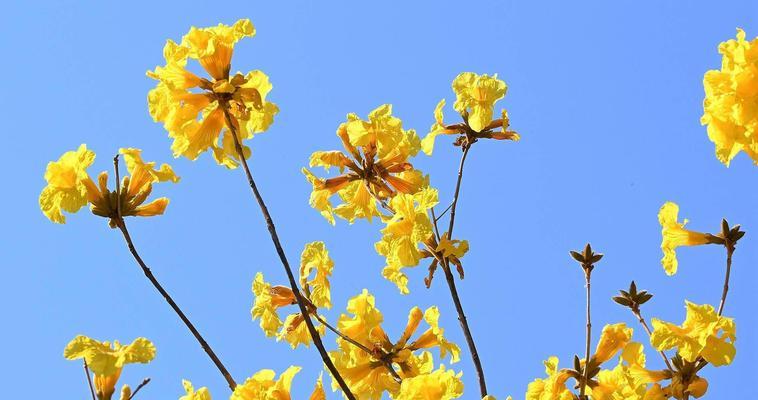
703	334
409	227
192	108
376	157
318	390
126	393
620	383
438	385
69	187
262	386
731	100
268	299
315	257
613	338
200	394
551	388
67	184
475	101
106	360
674	235
366	372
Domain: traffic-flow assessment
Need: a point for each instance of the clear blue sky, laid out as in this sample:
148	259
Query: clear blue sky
607	98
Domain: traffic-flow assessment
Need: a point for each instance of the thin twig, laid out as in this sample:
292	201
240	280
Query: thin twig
583	387
357	344
729	252
141	385
451	282
649	331
283	258
443	213
434	223
89	380
149	274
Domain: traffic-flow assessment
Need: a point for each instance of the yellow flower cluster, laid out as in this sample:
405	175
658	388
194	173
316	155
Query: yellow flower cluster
315	262
197	111
475	97
371	373
376	158
261	386
106	360
704	334
731	100
69	187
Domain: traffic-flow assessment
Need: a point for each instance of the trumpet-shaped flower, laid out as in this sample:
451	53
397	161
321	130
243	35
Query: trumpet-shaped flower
703	334
106	360
263	386
268	299
201	113
192	394
374	167
408	228
315	257
70	187
674	235
731	100
438	385
367	372
621	383
553	387
67	184
475	102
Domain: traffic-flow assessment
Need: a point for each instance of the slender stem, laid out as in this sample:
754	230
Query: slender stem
451	282
283	258
729	252
457	191
121	224
649	331
141	385
443	212
149	274
583	387
434	224
89	380
357	344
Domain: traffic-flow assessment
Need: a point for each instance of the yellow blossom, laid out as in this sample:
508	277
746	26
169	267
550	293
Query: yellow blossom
69	187
105	360
551	388
376	158
731	100
263	386
191	394
408	228
315	257
613	338
475	101
318	391
703	334
126	393
437	385
620	383
193	108
268	299
366	372
674	235
67	184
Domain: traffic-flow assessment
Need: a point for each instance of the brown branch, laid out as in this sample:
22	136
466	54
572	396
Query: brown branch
121	224
583	387
141	385
729	252
89	380
451	282
649	331
283	258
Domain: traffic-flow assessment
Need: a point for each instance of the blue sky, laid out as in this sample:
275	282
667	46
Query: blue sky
607	97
